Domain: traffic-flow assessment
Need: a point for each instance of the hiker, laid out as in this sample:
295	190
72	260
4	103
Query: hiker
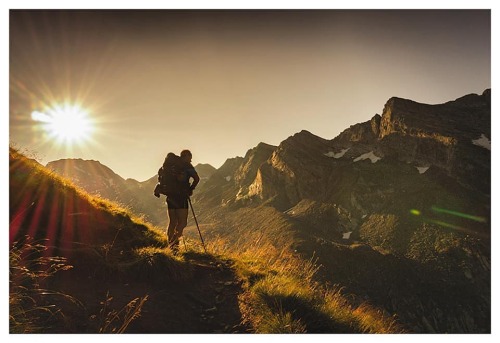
177	201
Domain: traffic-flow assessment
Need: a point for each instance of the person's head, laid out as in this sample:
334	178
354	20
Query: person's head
186	155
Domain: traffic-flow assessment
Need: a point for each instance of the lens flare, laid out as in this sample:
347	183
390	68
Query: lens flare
454	227
67	123
427	217
415	212
459	214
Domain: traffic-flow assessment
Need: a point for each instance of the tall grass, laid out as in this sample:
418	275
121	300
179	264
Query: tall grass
281	295
117	321
34	308
30	303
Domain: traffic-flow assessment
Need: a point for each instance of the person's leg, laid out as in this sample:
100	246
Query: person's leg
172	224
178	212
182	214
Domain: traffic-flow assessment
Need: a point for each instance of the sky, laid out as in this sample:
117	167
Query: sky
219	82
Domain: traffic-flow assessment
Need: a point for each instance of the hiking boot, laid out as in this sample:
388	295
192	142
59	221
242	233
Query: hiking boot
175	248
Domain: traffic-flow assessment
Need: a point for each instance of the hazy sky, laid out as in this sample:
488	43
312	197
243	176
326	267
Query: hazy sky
220	82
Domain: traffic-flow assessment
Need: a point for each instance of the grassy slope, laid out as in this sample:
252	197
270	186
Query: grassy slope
124	279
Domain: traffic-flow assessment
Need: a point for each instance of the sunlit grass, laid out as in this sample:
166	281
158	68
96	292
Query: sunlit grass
371	320
157	265
281	295
280	321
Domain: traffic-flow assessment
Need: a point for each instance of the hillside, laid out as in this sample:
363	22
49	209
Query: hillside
99	180
88	266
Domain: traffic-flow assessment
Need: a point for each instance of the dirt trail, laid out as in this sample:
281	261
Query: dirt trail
206	303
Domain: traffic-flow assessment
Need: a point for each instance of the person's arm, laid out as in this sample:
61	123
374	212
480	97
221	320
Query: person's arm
196	180
191	173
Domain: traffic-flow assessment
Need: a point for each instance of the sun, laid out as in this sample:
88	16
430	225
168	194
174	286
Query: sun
67	124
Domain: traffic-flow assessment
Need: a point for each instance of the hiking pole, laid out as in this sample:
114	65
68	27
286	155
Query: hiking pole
197	226
184	241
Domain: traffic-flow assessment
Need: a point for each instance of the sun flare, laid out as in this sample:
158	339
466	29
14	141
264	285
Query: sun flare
66	123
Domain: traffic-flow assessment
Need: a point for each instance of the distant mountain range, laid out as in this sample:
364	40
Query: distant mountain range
396	209
97	179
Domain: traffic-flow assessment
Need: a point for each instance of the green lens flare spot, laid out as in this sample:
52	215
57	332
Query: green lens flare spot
459	214
415	212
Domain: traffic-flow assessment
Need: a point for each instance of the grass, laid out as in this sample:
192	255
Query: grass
31	304
49	207
158	265
33	308
281	295
117	321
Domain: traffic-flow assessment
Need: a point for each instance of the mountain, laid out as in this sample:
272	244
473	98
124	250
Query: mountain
204	171
396	209
228	183
440	137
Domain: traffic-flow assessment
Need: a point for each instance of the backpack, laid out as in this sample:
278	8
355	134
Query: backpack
170	176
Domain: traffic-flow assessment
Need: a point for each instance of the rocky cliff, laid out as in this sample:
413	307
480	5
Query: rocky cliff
451	138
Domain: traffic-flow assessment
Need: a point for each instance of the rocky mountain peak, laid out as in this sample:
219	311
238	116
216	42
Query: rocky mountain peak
487	95
253	159
205	169
473	100
229	166
297	147
411	184
467	115
367	132
261	147
301	139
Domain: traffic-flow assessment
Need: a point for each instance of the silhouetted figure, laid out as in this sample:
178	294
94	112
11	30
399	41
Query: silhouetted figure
177	201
